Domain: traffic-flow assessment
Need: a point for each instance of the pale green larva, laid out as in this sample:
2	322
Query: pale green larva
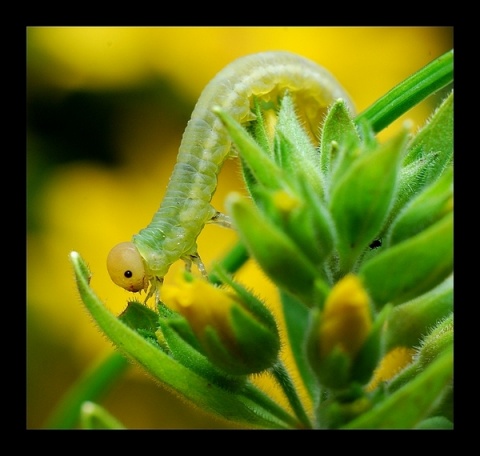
186	208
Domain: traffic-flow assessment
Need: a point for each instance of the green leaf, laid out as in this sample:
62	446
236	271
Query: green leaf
411	182
435	138
437	340
362	197
139	317
318	229
339	134
262	167
369	355
170	373
259	128
410	321
412	267
191	358
411	404
435	422
278	256
425	209
258	344
295	152
283	378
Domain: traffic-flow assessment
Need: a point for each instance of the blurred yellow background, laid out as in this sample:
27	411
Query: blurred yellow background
106	108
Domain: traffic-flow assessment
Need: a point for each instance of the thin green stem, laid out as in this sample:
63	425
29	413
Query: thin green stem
425	82
257	396
284	380
231	262
90	387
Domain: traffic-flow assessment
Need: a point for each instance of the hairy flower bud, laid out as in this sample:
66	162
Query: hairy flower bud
236	331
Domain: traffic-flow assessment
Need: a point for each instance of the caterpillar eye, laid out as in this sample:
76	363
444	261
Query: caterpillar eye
125	267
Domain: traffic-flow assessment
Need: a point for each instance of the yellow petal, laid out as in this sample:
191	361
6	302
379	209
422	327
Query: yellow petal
346	319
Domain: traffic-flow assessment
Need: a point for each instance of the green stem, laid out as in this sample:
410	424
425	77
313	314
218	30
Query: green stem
411	91
231	262
286	383
90	387
258	397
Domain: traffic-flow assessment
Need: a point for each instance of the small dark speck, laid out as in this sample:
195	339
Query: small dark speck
376	244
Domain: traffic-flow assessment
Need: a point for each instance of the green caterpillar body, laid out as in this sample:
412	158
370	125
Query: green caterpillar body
186	207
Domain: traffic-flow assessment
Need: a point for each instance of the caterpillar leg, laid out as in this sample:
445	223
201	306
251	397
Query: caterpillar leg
154	290
195	259
221	219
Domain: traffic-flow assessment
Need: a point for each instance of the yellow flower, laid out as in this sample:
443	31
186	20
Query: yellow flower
202	304
236	330
346	319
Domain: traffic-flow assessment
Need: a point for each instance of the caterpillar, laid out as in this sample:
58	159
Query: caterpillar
141	264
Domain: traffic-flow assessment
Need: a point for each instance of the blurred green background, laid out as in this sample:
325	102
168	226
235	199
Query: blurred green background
106	108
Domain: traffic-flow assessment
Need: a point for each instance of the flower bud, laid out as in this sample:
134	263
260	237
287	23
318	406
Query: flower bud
346	319
339	332
236	331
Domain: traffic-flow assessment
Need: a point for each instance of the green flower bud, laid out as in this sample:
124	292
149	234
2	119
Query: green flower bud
276	253
339	332
237	333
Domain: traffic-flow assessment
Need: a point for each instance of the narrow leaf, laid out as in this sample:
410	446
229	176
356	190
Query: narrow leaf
411	404
171	374
412	267
361	199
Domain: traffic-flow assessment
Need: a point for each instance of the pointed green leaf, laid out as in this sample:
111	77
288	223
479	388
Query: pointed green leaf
168	372
425	209
435	138
436	422
278	256
296	153
262	167
369	355
413	178
410	321
260	130
412	267
361	199
411	404
338	132
187	355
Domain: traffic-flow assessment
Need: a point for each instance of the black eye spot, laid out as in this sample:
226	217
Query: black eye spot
128	274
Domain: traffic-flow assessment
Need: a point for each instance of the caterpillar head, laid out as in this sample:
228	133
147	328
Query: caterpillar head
126	268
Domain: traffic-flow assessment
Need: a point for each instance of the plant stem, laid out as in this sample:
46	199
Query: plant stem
231	262
286	383
411	91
